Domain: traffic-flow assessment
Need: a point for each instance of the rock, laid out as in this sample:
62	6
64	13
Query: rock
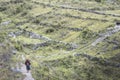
116	47
5	23
14	51
74	45
117	23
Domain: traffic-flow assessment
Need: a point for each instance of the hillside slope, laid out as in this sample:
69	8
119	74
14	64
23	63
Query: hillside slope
64	39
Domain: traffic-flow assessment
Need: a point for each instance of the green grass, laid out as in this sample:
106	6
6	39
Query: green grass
61	62
112	12
40	10
26	40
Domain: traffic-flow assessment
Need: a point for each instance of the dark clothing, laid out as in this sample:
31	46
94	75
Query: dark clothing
27	63
28	67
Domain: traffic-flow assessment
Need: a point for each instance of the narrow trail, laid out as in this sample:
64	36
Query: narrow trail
28	75
107	34
20	67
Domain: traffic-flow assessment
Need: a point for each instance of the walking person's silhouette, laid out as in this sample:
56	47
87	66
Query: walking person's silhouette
27	63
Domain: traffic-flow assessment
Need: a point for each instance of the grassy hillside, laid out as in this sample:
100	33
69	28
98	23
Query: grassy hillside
5	57
57	36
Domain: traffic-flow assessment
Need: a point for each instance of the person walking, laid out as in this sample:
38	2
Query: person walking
27	63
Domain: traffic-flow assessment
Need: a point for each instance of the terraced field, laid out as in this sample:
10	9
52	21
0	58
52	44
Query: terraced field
64	39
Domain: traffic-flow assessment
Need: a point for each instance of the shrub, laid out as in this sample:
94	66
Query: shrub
2	8
49	30
0	19
86	34
99	0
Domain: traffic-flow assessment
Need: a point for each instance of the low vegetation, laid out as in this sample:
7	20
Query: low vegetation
56	35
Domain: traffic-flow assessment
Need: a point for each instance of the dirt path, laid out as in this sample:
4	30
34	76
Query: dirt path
20	67
107	34
24	72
